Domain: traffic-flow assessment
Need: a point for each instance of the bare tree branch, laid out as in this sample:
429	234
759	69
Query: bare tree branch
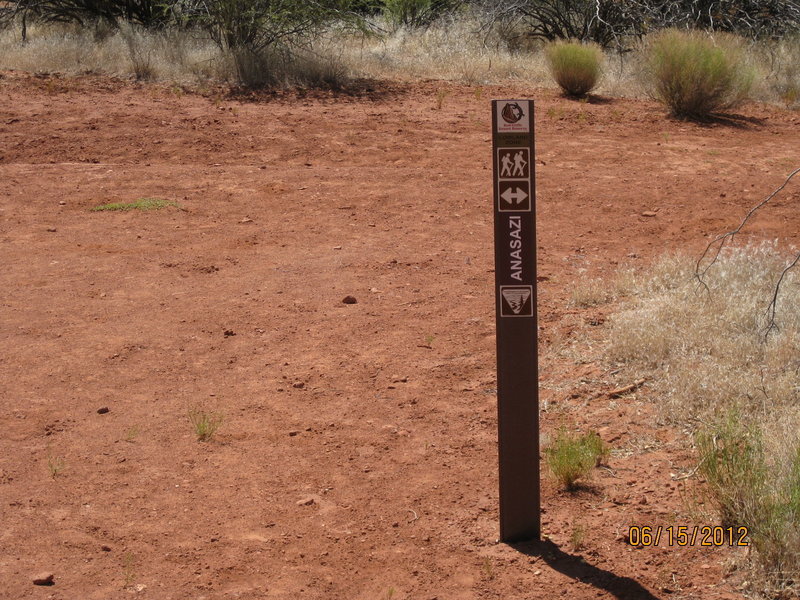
722	239
773	305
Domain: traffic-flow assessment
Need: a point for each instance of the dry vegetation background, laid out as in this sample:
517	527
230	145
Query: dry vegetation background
457	49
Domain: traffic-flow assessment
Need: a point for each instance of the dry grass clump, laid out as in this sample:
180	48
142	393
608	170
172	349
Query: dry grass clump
454	50
575	67
589	292
712	367
697	75
705	349
179	56
780	61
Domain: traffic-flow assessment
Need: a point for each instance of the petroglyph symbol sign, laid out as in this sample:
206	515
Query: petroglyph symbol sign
516	300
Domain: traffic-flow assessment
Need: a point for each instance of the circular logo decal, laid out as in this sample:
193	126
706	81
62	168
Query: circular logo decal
512	112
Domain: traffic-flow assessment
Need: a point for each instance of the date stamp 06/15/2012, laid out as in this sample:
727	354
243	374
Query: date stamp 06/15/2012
643	536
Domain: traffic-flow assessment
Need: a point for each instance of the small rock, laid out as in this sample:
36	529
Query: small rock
648	213
643	500
294	432
298	385
62	202
102	410
229	332
246	220
306	501
349	300
52	229
105	548
337	247
44	579
374	290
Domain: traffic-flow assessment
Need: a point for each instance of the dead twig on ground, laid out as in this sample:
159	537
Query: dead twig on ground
625	389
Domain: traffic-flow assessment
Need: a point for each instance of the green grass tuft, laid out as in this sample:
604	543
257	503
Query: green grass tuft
140	204
204	423
575	67
572	457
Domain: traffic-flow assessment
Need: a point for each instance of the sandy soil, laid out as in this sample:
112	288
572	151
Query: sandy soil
357	458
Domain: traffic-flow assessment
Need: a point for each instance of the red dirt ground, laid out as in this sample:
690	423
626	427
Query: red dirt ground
357	459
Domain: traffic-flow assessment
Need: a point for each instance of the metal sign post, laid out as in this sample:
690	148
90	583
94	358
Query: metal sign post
515	291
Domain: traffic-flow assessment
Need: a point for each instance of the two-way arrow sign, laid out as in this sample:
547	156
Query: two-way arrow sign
515	197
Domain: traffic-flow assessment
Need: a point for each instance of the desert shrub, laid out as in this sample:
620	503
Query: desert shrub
731	458
258	24
140	53
277	67
257	33
605	22
415	14
758	490
696	75
575	67
572	457
146	13
761	19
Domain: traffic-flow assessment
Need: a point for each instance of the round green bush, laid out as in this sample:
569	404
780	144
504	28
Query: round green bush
575	67
697	76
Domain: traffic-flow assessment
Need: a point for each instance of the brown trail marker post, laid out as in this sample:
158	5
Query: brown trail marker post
515	291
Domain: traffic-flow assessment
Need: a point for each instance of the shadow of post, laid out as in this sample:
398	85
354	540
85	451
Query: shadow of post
575	567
